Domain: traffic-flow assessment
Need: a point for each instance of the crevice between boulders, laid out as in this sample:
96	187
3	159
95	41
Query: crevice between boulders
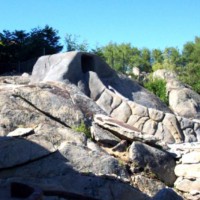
43	112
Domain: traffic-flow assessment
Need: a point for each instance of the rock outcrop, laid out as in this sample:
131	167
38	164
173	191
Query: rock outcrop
182	99
188	169
132	150
85	71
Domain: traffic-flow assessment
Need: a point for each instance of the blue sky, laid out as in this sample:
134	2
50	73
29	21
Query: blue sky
143	23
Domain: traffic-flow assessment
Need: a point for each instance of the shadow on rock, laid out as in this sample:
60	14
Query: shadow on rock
46	171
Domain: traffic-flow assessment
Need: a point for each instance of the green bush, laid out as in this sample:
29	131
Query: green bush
190	75
157	66
158	87
83	129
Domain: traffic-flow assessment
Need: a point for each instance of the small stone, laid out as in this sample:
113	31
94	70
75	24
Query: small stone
192	157
138	109
105	101
197	131
188	170
186	123
156	114
122	112
103	136
186	185
150	127
189	135
170	122
25	75
121	146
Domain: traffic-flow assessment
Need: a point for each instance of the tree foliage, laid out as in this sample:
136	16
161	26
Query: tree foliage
158	87
189	73
20	45
73	44
123	57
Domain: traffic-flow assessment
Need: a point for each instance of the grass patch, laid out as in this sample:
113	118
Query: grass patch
83	129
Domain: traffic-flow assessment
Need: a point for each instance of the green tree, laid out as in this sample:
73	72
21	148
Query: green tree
124	53
195	56
187	52
157	56
172	55
135	57
111	57
158	87
189	73
157	66
146	60
123	57
73	44
20	45
98	51
6	49
44	41
169	59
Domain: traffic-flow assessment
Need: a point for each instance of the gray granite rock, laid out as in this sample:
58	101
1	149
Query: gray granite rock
74	67
187	185
188	170
156	114
185	102
171	124
191	158
122	130
189	135
147	185
153	160
103	136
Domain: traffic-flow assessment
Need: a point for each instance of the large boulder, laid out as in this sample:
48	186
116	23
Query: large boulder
164	74
152	160
185	102
91	75
182	99
56	103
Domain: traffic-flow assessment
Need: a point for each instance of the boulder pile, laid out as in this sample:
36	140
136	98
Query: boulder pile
188	169
182	99
75	129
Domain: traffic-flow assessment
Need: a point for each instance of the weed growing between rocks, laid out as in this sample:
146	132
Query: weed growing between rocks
82	128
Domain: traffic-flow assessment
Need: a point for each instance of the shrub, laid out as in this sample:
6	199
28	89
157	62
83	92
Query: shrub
157	66
158	87
83	129
190	75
